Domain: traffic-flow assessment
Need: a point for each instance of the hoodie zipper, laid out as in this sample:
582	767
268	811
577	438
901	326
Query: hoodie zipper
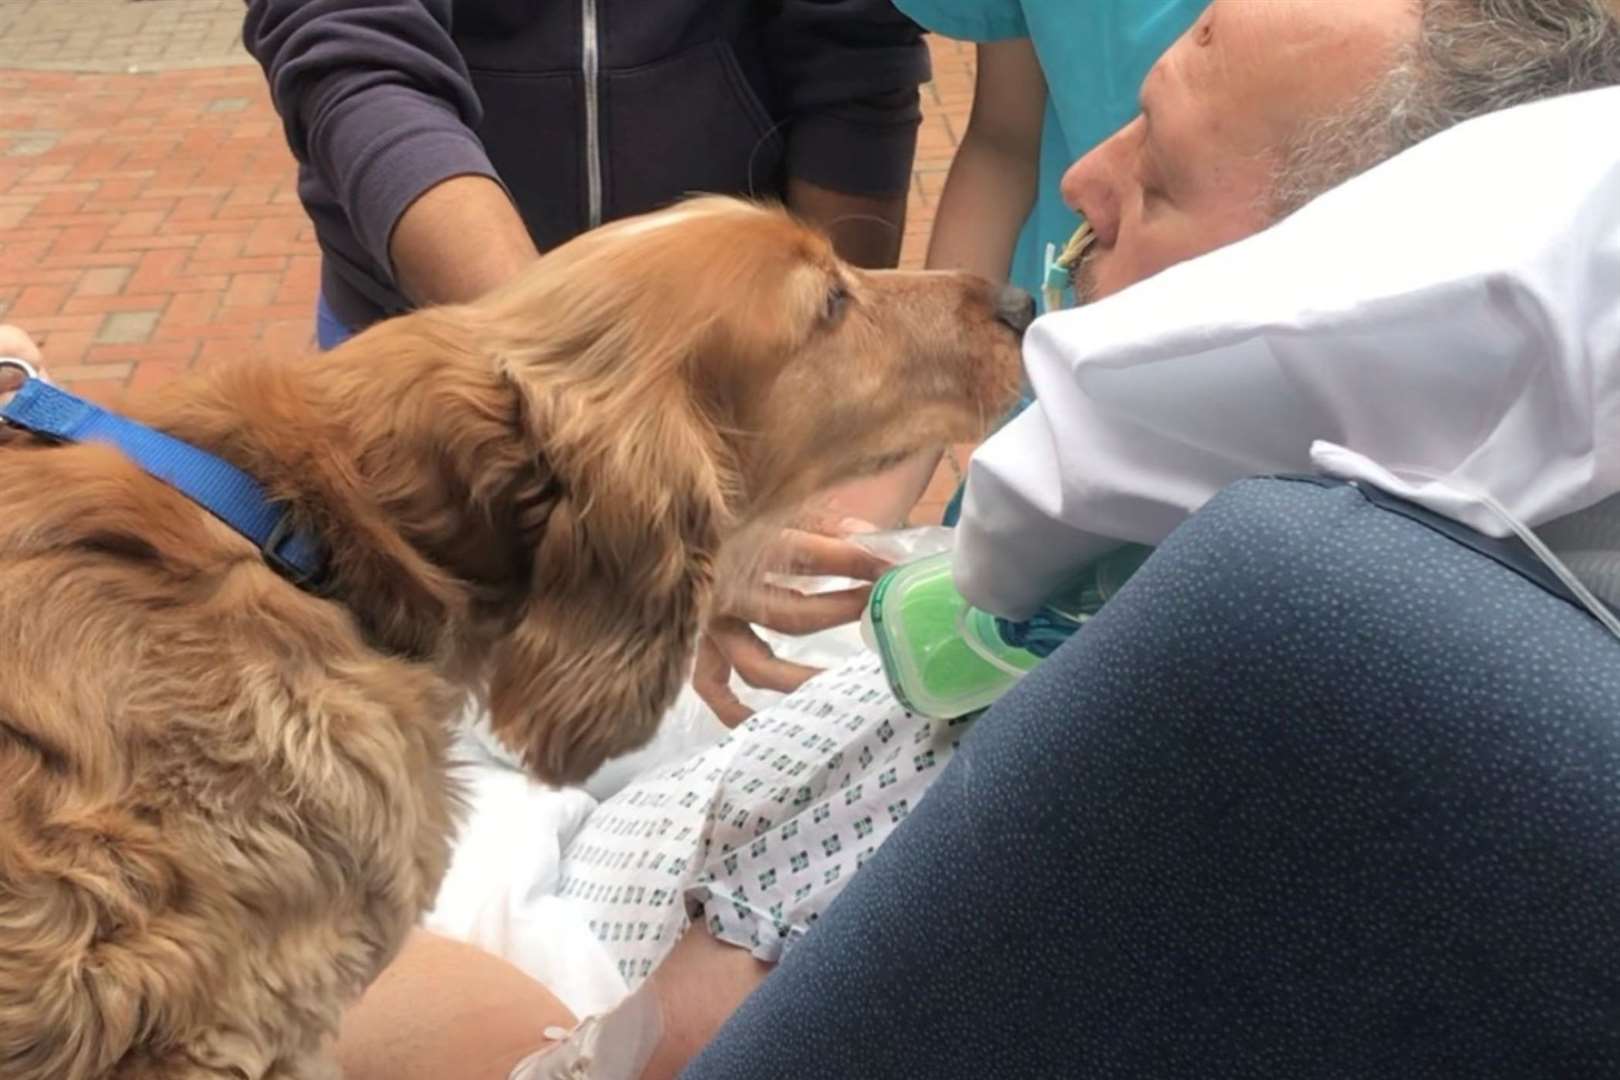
593	122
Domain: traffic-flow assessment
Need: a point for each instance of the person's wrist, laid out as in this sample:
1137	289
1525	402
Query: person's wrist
458	240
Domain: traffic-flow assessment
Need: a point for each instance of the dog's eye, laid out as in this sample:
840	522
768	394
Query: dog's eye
837	300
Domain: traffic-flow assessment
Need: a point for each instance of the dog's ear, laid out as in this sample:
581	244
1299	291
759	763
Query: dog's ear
623	566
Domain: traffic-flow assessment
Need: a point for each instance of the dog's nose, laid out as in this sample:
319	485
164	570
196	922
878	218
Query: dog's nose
1015	308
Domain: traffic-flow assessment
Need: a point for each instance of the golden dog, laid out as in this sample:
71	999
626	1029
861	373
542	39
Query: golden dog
223	797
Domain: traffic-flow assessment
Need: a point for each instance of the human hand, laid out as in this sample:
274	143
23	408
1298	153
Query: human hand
729	642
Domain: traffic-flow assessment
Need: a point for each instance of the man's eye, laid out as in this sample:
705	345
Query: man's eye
837	300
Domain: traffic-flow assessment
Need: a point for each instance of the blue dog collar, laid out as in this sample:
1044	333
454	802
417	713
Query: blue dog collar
217	486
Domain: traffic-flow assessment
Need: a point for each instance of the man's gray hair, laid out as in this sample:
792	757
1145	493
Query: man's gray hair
1472	57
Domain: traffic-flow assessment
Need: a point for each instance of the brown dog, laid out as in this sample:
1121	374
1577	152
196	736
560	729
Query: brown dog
223	798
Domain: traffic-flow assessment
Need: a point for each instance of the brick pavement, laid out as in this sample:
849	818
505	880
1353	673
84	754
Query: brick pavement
149	221
120	35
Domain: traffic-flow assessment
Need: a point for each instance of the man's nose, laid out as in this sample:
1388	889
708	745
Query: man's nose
1091	189
1015	308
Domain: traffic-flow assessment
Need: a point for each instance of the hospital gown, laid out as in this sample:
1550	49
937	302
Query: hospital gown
756	835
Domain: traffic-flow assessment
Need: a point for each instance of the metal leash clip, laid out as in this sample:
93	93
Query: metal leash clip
20	365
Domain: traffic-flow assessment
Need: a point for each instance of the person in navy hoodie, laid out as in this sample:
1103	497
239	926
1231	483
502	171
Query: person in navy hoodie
442	145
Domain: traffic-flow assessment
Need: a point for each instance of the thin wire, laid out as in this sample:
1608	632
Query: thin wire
1537	546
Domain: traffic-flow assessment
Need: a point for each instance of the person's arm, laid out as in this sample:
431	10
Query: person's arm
460	239
846	75
991	185
445	1009
988	194
375	97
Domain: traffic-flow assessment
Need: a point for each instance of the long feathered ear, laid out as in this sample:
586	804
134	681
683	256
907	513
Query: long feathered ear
623	566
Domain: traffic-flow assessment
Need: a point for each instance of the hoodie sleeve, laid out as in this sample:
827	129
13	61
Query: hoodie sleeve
374	96
847	74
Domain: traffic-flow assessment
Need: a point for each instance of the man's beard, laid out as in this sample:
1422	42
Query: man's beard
1083	278
1334	150
1471	57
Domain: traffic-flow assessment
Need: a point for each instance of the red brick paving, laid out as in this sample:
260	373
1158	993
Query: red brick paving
149	222
155	229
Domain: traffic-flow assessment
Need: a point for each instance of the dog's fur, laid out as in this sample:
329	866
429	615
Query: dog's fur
223	799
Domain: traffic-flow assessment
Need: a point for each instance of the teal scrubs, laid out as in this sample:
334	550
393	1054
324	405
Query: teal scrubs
1094	54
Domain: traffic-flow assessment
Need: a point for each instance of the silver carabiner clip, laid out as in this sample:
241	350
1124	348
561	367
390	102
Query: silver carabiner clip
20	365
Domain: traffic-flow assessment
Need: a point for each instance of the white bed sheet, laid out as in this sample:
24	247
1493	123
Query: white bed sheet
500	891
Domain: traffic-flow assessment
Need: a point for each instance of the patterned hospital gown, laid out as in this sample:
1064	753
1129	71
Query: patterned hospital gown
757	834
